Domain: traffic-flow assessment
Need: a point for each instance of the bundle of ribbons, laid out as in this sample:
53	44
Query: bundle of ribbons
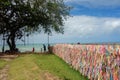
97	62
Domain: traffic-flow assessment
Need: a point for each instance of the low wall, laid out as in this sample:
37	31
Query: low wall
97	62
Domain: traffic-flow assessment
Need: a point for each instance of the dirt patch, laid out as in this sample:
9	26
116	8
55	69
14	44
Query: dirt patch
49	76
4	71
8	57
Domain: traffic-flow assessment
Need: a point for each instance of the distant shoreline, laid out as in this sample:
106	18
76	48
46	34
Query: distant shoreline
96	43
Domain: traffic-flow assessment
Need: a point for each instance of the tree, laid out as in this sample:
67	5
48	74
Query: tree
20	16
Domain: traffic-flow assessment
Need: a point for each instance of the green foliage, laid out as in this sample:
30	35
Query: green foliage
33	15
20	16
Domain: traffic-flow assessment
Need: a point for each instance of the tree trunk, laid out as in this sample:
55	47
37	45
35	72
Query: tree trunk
11	41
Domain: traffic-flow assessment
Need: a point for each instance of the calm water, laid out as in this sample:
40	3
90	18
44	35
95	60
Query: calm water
39	47
28	47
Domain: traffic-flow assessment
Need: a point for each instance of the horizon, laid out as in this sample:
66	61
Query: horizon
96	43
91	22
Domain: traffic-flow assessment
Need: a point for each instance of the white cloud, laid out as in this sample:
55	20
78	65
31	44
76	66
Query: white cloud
83	28
90	26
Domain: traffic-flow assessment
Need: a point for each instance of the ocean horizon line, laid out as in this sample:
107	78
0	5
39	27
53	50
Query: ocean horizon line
83	43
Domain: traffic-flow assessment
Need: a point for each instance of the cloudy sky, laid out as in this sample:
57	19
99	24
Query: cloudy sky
91	21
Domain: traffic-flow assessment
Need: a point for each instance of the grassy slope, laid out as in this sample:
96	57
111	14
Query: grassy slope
33	67
2	63
58	67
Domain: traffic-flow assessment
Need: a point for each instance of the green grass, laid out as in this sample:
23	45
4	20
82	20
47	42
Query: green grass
58	67
24	68
2	63
34	66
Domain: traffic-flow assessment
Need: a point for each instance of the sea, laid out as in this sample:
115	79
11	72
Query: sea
28	47
38	47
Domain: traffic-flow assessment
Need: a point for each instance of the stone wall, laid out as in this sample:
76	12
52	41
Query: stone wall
97	62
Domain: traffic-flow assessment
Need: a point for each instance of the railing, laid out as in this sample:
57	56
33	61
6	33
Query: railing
97	62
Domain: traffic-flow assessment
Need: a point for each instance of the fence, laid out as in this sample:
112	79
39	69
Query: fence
97	62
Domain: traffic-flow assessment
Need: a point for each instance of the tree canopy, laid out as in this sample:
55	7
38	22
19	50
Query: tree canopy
19	16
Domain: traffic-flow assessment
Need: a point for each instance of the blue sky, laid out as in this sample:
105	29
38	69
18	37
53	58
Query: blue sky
92	21
99	8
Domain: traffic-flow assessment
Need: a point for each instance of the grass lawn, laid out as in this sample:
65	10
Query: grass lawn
38	67
2	63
